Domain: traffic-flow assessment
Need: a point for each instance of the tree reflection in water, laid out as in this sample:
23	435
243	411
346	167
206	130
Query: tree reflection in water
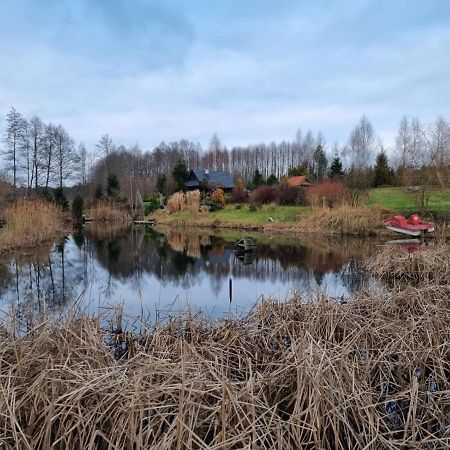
136	263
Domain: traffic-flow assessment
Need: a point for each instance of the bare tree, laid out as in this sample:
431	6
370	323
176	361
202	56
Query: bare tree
82	163
361	144
403	143
49	143
65	155
12	138
36	131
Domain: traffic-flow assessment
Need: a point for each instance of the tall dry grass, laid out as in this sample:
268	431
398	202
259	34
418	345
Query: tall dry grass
30	222
103	211
370	374
344	219
176	202
428	265
193	201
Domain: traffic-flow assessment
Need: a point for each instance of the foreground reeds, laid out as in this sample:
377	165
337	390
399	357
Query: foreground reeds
370	374
30	222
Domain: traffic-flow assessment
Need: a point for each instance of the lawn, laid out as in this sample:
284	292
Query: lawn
397	199
231	216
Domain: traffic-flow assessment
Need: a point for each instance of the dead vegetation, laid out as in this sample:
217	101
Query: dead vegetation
431	264
176	202
373	373
30	222
104	211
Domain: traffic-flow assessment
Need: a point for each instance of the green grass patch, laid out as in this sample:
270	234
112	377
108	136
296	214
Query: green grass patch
397	199
231	216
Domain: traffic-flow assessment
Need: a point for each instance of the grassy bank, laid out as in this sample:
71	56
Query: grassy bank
231	217
397	199
30	222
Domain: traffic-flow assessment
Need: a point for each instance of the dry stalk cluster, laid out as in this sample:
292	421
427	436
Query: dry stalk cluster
30	222
344	219
193	201
176	202
105	211
429	265
370	374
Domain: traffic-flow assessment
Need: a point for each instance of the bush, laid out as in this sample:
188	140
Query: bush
151	204
238	194
218	197
291	195
264	194
77	208
60	199
327	193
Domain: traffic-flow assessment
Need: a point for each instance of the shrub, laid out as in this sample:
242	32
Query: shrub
77	208
60	199
291	195
218	197
193	201
264	194
252	207
327	193
151	204
176	202
238	194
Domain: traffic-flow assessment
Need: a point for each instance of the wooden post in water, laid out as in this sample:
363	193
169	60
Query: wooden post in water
230	289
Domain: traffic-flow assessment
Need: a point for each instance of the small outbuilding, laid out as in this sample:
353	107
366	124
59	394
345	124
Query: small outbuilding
299	181
209	180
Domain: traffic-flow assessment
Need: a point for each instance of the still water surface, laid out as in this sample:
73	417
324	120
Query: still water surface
165	271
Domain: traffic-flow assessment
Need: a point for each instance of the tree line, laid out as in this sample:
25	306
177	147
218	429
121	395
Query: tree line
40	155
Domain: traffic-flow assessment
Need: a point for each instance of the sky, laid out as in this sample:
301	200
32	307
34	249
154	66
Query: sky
249	70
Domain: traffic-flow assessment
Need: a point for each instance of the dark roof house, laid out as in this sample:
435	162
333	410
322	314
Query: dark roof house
213	179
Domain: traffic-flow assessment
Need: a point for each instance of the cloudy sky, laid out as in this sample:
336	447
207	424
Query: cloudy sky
251	70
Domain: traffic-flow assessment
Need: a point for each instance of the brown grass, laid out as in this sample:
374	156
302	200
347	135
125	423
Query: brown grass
193	201
373	374
428	265
344	219
30	222
176	202
103	211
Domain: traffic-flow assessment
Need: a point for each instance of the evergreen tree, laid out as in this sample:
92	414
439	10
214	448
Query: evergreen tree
272	180
298	171
112	186
98	192
77	208
336	170
180	174
161	182
258	179
60	199
382	171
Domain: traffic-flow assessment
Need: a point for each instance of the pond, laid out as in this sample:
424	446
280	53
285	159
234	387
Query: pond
161	272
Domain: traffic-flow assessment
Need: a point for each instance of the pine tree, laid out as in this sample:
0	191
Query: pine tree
382	171
12	139
180	174
272	180
320	163
336	170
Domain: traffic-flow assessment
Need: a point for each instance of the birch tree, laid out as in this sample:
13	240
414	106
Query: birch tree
12	139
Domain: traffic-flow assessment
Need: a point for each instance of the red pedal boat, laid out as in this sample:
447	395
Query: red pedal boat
414	226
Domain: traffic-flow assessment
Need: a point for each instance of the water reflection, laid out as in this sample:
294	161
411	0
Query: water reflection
151	269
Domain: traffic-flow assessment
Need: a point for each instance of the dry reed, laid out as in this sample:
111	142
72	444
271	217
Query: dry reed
103	211
30	222
370	374
193	201
344	219
176	202
431	264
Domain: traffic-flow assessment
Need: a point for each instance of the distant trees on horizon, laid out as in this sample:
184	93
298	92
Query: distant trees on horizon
39	155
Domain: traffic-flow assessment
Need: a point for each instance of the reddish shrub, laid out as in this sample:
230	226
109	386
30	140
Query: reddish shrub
291	195
238	195
327	193
264	194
